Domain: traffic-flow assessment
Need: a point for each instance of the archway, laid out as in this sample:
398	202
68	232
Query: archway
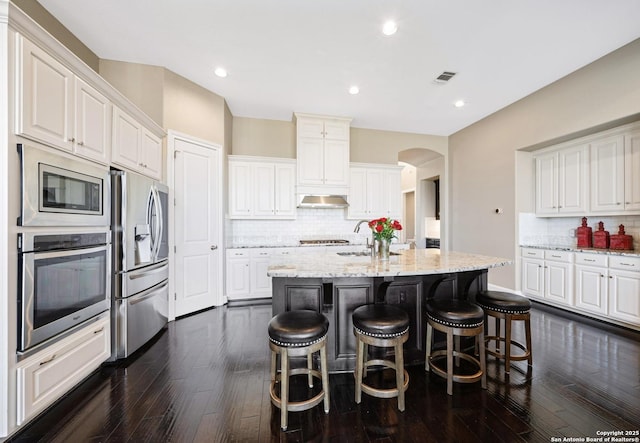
424	196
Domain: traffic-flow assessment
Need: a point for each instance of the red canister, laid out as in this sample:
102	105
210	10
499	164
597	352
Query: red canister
621	240
601	237
585	235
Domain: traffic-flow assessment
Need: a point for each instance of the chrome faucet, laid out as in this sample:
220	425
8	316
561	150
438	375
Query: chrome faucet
357	228
369	245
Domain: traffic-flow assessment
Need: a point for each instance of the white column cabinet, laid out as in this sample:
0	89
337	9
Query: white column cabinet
261	188
374	191
322	152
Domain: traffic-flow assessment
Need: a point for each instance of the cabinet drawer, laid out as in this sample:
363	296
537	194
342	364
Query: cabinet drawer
563	256
591	259
261	253
533	253
238	253
625	263
47	376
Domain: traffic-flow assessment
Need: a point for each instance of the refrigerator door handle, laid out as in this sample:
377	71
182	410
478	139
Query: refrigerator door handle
148	294
162	267
159	219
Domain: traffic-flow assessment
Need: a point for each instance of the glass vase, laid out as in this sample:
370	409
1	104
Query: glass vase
382	249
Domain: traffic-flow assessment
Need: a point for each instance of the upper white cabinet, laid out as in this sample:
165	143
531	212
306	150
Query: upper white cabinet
134	146
261	188
57	108
322	153
597	174
375	191
562	181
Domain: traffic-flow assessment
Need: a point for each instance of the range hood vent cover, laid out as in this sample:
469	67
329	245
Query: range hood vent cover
323	201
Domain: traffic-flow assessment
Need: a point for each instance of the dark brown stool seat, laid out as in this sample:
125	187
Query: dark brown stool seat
296	334
455	318
382	326
508	307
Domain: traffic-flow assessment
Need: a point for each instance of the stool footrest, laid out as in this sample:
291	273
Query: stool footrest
498	354
442	354
383	393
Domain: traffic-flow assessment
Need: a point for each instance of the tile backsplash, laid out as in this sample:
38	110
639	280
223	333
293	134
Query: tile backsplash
310	223
559	231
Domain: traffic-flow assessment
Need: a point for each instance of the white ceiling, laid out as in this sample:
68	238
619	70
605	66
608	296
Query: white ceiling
286	56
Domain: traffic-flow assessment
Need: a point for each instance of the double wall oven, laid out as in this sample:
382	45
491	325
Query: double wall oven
64	246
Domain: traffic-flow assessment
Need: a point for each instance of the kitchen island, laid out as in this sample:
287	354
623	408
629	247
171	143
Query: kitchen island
336	284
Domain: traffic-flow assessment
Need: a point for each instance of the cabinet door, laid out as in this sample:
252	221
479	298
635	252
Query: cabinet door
632	171
572	180
260	281
45	98
376	194
358	194
285	191
151	155
546	184
607	174
240	189
93	123
591	288
264	204
624	296
238	277
310	127
336	162
393	194
310	161
558	284
126	140
336	130
533	277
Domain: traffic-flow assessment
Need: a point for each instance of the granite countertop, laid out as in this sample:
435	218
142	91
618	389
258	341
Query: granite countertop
408	262
630	253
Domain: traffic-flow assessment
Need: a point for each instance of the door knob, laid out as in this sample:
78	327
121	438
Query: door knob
214	247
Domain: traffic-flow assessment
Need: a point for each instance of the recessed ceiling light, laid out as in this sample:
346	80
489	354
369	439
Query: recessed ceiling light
459	104
220	72
389	28
354	90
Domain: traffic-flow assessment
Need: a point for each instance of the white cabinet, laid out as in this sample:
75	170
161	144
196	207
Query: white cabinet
134	146
562	181
632	171
592	282
607	174
247	273
322	153
46	376
624	289
374	191
57	108
261	188
548	275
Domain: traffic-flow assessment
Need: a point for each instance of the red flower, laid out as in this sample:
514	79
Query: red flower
379	228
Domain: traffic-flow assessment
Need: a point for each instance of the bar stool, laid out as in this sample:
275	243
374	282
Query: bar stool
298	334
383	326
509	307
456	318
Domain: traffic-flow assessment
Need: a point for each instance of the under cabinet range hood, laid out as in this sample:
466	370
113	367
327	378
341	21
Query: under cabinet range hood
323	201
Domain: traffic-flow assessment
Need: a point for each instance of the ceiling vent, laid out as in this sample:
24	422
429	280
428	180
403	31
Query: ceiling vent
444	77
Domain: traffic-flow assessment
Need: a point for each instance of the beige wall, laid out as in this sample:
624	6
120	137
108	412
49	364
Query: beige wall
482	157
41	16
142	84
269	138
193	110
376	146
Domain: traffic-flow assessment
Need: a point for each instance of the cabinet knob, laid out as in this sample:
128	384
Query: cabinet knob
80	143
214	247
618	203
72	140
627	203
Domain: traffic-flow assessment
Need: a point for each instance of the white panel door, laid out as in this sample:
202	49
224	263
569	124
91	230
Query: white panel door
336	162
310	161
126	150
624	296
285	191
93	123
264	203
532	277
546	184
572	180
198	253
591	288
376	190
558	282
607	174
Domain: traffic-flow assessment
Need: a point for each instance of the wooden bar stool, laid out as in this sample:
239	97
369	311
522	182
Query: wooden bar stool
456	318
383	326
298	334
508	307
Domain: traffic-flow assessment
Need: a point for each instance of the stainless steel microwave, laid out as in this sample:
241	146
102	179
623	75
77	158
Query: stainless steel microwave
62	191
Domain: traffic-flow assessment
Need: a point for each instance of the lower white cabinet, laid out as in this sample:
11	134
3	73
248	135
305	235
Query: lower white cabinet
46	376
605	286
247	273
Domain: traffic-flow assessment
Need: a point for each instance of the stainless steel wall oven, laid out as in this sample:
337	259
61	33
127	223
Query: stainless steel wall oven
64	280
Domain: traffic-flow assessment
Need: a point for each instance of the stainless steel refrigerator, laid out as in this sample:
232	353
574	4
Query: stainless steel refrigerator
140	285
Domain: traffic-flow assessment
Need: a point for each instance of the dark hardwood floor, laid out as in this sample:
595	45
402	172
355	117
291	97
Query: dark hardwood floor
206	379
